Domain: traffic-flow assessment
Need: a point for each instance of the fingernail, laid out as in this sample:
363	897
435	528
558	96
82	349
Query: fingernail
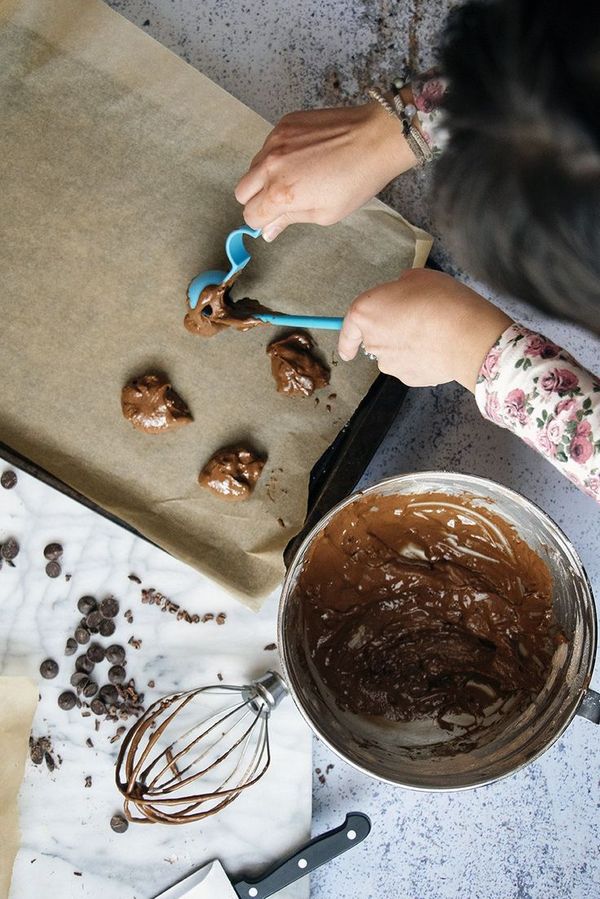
270	234
343	357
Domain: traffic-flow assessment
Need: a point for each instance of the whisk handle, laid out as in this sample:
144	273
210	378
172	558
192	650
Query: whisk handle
319	851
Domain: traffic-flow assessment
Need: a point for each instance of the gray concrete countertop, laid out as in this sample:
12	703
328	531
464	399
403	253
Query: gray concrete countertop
534	835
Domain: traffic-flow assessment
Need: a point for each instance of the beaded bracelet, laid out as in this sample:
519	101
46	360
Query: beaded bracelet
406	113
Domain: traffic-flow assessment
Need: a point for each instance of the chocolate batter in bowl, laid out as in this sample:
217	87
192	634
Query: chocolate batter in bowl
438	631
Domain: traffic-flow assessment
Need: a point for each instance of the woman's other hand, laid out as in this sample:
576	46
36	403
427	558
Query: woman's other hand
426	328
320	165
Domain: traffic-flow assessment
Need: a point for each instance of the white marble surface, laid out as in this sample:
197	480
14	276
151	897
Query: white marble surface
65	825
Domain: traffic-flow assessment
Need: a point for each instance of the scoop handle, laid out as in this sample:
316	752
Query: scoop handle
319	851
301	321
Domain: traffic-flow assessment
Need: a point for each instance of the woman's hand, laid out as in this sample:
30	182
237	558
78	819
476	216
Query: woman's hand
320	165
426	328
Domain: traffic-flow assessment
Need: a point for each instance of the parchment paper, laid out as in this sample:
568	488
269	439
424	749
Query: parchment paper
18	700
117	168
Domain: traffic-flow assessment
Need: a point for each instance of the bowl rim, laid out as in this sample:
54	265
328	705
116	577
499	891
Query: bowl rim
479	482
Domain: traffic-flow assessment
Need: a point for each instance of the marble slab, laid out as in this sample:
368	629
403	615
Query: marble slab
68	848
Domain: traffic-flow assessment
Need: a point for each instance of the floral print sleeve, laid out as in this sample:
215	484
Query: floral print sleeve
428	92
536	389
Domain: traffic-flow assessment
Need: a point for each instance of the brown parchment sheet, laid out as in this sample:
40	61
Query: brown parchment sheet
18	701
117	167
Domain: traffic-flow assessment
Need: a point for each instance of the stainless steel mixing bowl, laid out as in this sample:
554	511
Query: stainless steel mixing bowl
409	754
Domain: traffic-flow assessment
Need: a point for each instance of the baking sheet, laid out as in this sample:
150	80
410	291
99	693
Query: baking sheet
118	162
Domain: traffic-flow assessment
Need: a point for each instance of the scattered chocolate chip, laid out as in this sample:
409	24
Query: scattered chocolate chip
88	783
108	694
208	617
84	664
96	722
90	688
67	700
116	674
270	647
329	768
78	873
71	646
118	734
87	604
82	635
50	763
135	578
119	824
109	607
89	743
128	616
68	577
151	684
78	678
93	619
115	654
107	627
8	479
36	751
281	522
53	552
322	779
9	562
53	569
219	676
95	653
98	707
10	549
49	669
220	619
135	642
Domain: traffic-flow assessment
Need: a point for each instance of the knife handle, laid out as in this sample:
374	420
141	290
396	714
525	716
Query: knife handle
320	850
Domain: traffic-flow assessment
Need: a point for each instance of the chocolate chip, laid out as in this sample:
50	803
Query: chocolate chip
10	549
82	663
53	569
98	707
116	674
87	604
221	617
53	552
49	669
78	678
95	653
115	654
270	647
8	479
82	635
88	783
71	647
108	694
119	824
50	763
107	627
36	751
109	607
89	689
135	578
67	700
93	619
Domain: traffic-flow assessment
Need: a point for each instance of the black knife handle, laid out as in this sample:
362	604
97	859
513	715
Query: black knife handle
320	850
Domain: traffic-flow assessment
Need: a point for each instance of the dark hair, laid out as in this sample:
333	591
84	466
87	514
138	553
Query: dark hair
517	190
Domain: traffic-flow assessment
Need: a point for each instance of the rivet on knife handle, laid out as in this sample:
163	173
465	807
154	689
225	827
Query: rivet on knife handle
320	850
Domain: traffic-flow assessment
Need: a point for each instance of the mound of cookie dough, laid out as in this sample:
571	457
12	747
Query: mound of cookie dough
152	406
232	472
297	372
216	311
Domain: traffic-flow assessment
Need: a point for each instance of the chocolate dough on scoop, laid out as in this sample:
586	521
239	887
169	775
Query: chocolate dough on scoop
297	372
216	311
232	472
152	406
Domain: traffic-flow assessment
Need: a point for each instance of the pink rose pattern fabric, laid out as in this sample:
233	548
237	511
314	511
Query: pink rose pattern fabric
428	96
536	389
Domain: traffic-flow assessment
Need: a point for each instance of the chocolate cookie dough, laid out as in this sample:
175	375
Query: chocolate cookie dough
232	473
152	406
296	370
427	607
216	311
